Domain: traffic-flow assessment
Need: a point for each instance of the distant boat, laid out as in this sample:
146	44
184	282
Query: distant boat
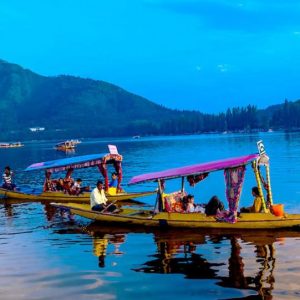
11	145
136	137
75	142
66	145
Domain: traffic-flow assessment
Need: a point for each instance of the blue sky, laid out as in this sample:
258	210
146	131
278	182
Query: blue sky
201	55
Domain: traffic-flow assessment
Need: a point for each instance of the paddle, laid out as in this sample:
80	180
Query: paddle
110	204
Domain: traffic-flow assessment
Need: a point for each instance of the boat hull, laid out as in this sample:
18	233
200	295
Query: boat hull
131	216
62	197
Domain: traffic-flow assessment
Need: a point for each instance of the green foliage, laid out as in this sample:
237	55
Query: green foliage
70	106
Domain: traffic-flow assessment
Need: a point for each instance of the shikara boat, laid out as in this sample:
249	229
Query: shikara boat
66	145
162	216
11	145
69	164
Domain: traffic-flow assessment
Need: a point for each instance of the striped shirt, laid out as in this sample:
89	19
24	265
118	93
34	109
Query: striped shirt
7	178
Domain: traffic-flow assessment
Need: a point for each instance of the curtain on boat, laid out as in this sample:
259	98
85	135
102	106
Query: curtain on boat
118	168
103	170
194	179
234	179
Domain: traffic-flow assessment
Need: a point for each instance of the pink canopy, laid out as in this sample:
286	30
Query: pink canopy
195	169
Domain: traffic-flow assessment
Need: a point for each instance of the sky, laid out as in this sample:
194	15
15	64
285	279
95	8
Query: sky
204	55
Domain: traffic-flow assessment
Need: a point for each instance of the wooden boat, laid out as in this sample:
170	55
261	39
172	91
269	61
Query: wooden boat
69	164
66	145
11	145
161	216
20	197
149	218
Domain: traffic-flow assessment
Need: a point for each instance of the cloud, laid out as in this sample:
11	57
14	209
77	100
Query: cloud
198	68
223	68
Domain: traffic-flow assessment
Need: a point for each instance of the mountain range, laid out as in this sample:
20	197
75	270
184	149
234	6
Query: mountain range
68	106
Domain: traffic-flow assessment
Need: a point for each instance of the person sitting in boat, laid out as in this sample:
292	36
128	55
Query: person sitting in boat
113	185
257	203
214	206
60	184
114	180
191	207
49	184
98	199
7	179
76	188
68	181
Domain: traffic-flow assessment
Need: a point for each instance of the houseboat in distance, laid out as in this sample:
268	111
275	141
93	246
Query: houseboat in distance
11	145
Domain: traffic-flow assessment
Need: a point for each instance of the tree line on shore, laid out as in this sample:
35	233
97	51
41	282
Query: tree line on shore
68	106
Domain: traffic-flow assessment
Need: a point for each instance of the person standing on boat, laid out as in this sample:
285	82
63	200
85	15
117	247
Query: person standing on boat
99	200
257	203
7	179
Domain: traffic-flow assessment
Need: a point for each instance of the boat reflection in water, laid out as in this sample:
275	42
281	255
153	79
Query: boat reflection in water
241	261
185	252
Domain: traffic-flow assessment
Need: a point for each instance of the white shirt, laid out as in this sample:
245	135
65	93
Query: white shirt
97	197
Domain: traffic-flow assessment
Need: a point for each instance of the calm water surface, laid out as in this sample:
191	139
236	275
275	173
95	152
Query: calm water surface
45	255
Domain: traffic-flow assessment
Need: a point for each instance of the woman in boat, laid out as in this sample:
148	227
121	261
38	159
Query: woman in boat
257	203
99	201
7	179
214	206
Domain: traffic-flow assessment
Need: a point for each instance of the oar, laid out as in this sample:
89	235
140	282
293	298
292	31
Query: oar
110	204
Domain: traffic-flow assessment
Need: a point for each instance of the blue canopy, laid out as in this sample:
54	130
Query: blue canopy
76	162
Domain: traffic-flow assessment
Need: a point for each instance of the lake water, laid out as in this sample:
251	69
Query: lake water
44	255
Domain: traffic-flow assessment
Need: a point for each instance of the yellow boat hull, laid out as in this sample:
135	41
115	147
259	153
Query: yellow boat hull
131	216
62	197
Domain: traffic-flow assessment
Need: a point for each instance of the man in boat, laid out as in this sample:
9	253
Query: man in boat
113	184
68	181
114	180
7	179
257	203
49	184
98	199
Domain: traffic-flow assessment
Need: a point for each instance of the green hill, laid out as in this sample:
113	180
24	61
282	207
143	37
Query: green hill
69	106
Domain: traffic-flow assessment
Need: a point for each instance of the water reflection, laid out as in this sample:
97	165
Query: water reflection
8	210
261	281
187	253
100	244
179	258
